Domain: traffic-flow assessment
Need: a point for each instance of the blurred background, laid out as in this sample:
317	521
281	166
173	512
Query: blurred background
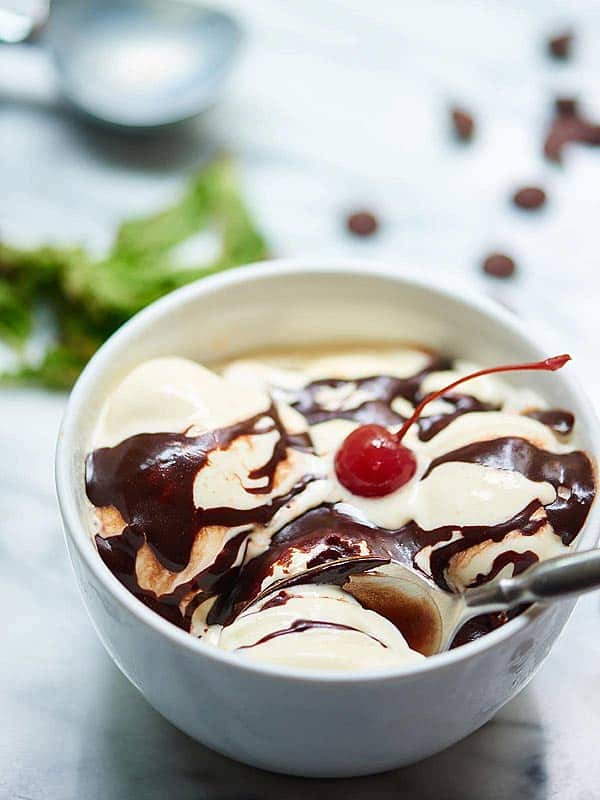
424	119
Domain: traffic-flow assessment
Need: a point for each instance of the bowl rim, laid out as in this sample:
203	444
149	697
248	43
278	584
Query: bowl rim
76	529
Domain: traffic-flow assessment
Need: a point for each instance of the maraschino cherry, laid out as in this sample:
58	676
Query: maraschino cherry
373	462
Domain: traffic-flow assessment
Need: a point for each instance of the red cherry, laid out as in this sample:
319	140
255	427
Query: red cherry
373	462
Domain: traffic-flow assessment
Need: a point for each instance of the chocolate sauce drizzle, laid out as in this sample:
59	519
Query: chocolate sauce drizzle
463	404
303	625
572	471
558	420
519	561
149	479
279	599
327	524
384	389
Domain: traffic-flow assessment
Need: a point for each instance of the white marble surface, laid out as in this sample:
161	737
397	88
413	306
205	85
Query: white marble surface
333	105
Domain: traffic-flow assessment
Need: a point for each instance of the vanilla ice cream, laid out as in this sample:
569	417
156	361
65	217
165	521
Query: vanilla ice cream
207	487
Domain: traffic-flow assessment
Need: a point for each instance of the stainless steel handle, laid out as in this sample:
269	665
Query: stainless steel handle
22	20
571	574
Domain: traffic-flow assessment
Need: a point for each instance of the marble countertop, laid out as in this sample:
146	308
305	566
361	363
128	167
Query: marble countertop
334	105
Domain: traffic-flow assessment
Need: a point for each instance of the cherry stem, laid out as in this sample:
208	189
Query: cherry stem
548	364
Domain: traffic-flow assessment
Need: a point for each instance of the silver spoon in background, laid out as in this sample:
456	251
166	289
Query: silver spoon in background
429	618
133	64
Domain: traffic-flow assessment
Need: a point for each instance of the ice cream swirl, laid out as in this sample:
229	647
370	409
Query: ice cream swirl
208	488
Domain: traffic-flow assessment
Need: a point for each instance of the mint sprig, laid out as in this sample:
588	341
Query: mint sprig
90	298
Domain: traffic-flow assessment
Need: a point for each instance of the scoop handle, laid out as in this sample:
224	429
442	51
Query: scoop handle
564	576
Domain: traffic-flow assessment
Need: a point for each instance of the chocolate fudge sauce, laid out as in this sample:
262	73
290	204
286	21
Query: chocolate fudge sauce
149	479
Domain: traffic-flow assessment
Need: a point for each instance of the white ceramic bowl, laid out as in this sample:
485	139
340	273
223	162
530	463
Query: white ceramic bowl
295	721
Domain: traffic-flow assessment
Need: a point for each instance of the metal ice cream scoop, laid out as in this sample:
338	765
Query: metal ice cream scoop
429	618
135	64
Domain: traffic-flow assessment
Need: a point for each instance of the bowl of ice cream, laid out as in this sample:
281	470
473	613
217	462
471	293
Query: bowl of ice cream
229	570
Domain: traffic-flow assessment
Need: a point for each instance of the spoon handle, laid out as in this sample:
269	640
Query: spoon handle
571	574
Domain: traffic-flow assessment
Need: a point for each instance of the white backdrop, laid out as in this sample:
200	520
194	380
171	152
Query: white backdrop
333	105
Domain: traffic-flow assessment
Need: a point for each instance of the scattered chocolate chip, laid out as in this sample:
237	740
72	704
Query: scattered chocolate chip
566	106
499	265
529	197
568	126
362	223
561	46
464	124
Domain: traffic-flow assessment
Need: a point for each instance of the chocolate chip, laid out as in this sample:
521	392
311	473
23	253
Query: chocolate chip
561	46
499	265
362	223
529	197
464	124
567	126
566	106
